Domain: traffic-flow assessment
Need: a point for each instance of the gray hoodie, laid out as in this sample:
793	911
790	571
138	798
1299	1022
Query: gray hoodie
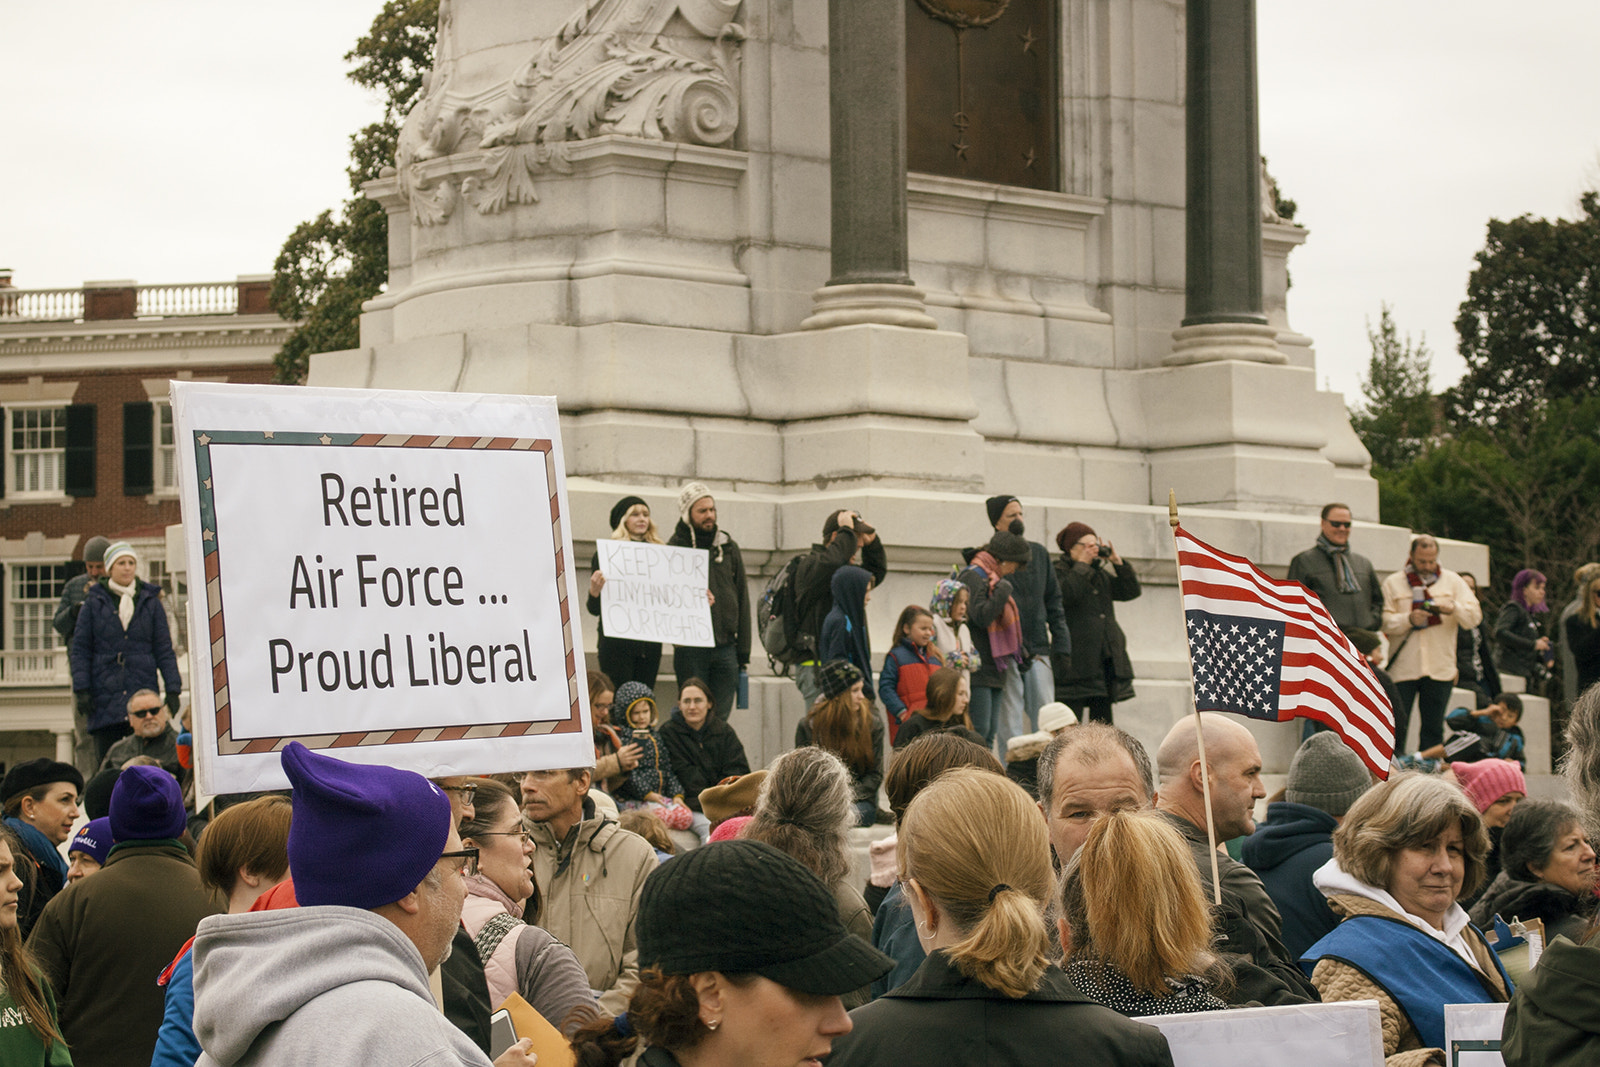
317	985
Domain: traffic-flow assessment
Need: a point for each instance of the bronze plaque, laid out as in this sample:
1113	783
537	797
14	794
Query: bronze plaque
982	90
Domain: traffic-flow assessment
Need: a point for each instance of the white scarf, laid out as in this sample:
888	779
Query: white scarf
125	605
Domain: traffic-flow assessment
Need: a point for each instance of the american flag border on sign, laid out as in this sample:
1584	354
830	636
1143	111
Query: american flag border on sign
1323	677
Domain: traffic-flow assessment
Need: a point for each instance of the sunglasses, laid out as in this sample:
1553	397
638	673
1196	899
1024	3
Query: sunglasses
468	858
144	712
1339	525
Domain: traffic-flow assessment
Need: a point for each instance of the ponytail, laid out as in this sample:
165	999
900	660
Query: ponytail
974	842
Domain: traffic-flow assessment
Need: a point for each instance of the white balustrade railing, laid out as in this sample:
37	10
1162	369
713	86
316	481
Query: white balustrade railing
151	302
42	667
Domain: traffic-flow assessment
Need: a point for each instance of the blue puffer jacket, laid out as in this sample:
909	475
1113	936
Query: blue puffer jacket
115	664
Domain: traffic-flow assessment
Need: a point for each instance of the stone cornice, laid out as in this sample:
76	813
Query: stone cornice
67	346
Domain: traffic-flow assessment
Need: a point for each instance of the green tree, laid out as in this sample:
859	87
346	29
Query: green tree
1530	326
1396	420
330	265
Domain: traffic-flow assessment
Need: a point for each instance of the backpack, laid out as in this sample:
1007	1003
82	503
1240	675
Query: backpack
778	620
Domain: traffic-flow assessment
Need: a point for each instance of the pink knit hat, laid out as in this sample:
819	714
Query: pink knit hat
1486	781
728	829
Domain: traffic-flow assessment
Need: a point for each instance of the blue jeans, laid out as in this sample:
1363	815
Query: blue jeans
985	704
1024	693
718	667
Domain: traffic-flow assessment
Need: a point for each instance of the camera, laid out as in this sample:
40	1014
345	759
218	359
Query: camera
1429	606
1105	551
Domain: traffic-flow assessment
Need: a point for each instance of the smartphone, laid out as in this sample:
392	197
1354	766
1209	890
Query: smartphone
502	1033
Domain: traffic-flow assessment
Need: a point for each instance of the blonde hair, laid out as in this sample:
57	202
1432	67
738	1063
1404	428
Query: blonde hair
650	533
1134	901
1587	609
974	842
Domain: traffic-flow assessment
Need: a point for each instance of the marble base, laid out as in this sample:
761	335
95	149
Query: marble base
869	303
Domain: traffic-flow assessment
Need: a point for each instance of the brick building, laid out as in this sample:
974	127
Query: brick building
88	449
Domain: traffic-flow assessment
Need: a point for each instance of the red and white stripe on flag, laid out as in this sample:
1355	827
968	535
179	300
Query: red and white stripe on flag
1323	676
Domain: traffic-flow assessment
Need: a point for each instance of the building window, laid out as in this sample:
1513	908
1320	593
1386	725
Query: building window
33	648
37	439
166	455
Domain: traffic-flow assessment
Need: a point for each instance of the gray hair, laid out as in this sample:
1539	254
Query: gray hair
1531	834
1408	811
805	809
141	693
1581	764
1089	744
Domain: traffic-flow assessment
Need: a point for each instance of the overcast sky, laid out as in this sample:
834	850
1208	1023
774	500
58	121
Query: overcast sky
179	140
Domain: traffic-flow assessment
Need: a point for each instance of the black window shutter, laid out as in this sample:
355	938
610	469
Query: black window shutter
138	448
80	449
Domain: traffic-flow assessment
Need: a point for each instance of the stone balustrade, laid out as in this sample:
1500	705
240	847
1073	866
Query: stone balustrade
107	301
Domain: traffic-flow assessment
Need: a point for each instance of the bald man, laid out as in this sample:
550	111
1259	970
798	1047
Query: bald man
1251	930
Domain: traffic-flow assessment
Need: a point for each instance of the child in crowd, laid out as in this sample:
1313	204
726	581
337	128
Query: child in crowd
648	825
949	608
1487	733
948	692
844	630
903	682
651	783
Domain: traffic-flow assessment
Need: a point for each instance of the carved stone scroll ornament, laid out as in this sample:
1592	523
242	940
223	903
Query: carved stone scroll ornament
628	67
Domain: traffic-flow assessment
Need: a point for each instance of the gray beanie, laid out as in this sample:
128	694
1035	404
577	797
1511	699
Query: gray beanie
1326	774
94	549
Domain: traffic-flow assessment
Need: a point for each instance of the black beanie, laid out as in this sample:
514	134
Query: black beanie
787	923
997	507
30	774
1008	547
621	508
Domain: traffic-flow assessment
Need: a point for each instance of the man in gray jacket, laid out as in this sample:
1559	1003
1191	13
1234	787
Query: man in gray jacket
379	872
1342	580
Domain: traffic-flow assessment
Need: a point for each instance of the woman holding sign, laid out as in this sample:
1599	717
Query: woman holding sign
1403	855
622	659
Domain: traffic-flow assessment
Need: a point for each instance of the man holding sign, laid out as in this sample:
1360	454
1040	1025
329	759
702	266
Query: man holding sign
718	665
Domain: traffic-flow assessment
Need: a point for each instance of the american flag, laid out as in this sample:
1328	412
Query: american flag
1270	650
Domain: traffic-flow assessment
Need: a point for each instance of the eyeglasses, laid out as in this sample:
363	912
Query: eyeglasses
468	792
606	707
145	712
1339	525
524	838
468	858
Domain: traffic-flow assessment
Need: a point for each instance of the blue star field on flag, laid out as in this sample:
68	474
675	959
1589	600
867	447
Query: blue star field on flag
1238	663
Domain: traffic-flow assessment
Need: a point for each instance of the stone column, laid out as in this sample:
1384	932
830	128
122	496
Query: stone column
871	282
1224	317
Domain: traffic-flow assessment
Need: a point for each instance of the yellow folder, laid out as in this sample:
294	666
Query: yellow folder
552	1049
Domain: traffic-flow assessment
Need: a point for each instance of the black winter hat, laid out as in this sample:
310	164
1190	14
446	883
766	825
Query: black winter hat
1009	548
30	774
837	676
620	508
997	507
784	920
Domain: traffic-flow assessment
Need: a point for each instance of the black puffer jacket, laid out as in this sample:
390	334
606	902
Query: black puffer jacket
1562	912
702	758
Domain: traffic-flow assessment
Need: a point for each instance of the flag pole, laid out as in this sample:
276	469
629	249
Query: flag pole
1199	724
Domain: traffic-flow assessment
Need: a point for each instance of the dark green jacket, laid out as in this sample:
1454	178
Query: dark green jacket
1553	1019
103	940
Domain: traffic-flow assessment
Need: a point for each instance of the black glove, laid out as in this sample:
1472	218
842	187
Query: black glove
172	702
85	702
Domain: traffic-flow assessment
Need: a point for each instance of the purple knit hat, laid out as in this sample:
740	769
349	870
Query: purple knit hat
146	805
361	836
93	840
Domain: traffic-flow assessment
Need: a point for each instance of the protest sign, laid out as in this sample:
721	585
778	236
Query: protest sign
1342	1034
1472	1034
655	592
381	575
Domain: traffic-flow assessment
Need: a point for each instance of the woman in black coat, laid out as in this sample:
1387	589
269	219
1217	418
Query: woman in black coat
975	866
1523	648
1583	636
1099	672
703	747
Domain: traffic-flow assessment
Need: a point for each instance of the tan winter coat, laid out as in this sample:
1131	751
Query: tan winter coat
1431	651
590	884
1338	981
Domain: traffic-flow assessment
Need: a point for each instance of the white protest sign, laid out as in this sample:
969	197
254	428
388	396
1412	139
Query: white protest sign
1342	1034
1472	1034
655	592
385	576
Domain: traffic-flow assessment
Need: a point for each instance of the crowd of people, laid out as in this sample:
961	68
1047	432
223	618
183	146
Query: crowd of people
1035	880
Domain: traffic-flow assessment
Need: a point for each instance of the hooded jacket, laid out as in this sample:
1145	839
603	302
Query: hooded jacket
324	984
730	613
844	629
114	663
813	580
1285	851
1554	1018
590	882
